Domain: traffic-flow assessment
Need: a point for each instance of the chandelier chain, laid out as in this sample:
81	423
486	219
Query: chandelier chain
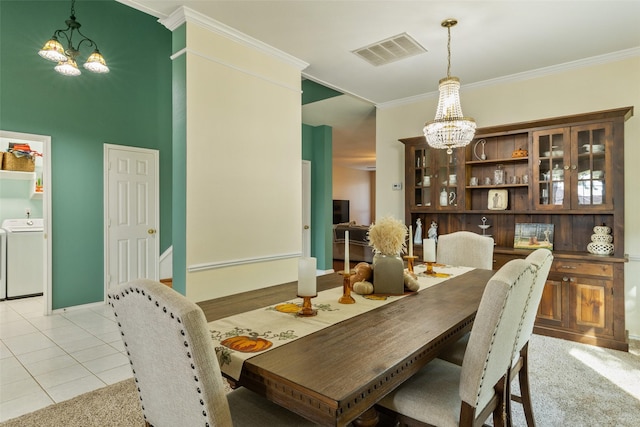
448	52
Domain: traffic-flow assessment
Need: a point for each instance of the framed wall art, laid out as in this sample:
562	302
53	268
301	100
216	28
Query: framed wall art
533	236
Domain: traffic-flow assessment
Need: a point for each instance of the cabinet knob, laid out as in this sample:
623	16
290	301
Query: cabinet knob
565	279
566	167
574	167
306	227
151	231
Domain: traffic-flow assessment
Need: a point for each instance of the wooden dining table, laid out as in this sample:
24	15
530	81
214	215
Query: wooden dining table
336	375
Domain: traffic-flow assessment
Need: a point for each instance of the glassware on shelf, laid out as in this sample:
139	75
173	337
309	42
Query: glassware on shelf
498	176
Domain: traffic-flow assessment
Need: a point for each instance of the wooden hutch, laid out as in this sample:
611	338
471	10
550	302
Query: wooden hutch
572	177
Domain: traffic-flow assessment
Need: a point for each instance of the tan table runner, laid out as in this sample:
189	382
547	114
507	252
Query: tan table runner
239	337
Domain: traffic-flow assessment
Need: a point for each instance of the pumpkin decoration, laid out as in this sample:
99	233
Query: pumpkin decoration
247	344
363	273
411	282
287	307
363	288
519	153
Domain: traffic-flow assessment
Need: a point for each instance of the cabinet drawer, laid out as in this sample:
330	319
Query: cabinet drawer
501	259
582	268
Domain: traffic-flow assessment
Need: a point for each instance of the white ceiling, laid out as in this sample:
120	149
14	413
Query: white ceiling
493	40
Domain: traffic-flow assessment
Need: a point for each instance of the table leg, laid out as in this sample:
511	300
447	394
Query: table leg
369	418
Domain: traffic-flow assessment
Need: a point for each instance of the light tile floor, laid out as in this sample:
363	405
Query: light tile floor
48	359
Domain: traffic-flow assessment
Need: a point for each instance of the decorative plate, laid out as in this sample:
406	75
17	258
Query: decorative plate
497	200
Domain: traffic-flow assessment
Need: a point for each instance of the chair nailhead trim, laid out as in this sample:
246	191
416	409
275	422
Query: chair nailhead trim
182	332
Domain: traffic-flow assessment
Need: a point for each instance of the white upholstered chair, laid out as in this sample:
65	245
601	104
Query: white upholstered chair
541	259
445	394
464	248
175	365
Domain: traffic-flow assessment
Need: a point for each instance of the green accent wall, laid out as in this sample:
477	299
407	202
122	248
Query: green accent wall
131	106
317	147
312	92
179	84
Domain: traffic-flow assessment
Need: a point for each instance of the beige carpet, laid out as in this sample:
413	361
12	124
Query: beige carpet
115	405
572	385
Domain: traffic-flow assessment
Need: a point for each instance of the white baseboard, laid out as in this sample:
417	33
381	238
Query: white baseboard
78	307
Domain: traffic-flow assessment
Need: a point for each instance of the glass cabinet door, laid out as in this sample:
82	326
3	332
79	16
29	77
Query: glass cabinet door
552	151
593	158
571	166
422	177
447	179
435	178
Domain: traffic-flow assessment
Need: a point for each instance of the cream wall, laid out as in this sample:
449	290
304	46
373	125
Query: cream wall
601	86
244	188
354	185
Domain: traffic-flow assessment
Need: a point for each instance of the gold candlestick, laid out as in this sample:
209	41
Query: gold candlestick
429	268
307	310
410	260
346	297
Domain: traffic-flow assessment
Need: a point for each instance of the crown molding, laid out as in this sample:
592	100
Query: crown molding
142	8
526	75
185	14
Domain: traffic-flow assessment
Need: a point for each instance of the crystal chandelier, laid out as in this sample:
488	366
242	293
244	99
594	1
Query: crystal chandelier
450	129
66	58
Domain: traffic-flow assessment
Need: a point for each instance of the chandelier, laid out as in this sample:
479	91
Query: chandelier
450	129
66	58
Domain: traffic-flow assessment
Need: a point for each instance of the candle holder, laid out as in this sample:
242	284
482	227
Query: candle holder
430	268
410	260
307	310
346	297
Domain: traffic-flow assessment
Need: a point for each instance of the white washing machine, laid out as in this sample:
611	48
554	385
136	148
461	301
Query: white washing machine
24	260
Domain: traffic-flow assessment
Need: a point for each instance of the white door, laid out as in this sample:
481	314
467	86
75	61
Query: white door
131	214
306	208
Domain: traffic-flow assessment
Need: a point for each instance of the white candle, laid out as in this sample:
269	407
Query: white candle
307	277
346	252
429	250
410	240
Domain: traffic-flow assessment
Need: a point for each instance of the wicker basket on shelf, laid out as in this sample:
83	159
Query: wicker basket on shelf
20	164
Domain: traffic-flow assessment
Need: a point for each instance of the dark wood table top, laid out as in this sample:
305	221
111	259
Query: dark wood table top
336	374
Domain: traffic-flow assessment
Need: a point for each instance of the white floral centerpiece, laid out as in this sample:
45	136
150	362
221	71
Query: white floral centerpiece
387	236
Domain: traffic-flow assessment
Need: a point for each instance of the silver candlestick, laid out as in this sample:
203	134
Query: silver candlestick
484	226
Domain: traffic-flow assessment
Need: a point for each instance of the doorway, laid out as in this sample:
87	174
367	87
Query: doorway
39	201
131	214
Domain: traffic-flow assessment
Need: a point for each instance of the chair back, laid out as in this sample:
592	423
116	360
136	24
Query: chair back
493	336
541	259
464	248
171	354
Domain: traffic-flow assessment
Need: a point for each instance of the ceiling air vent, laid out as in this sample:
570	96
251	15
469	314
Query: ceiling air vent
390	50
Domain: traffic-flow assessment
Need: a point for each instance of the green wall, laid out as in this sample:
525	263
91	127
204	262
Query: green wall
131	105
179	67
317	147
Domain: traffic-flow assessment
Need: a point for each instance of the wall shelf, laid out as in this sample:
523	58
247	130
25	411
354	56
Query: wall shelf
17	175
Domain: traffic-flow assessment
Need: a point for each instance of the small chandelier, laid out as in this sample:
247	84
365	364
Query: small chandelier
66	58
450	129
